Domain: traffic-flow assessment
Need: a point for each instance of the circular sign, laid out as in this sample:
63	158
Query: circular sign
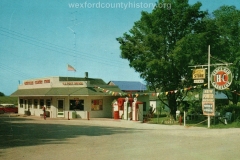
221	78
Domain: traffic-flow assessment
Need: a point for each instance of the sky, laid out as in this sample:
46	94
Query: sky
39	38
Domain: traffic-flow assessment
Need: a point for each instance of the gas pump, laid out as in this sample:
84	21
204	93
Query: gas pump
115	110
125	109
134	110
120	107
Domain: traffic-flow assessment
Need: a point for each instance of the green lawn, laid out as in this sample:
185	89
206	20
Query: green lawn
201	122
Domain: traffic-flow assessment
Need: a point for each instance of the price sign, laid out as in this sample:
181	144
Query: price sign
208	102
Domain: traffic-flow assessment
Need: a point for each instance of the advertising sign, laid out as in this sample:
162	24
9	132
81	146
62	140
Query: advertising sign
208	102
198	74
221	78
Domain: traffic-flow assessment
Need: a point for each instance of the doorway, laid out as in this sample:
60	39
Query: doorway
60	109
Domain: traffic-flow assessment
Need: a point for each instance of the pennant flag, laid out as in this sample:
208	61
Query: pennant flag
70	68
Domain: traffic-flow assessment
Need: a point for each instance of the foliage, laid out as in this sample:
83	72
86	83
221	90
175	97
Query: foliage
153	46
164	43
227	19
2	94
7	99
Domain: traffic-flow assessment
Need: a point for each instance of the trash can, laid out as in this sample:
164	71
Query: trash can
74	114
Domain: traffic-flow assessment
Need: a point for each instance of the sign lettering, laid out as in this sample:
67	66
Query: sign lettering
208	102
221	78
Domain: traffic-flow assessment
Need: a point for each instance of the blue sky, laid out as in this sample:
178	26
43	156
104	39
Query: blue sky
38	38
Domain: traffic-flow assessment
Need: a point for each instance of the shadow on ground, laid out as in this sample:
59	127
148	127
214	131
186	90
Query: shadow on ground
17	132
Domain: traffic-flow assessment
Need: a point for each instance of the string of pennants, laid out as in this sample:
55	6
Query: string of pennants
114	93
146	94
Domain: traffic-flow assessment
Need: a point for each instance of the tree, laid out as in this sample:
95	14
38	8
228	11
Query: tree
227	19
157	46
2	94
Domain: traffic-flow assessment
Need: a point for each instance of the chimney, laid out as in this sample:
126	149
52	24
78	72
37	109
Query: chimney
86	74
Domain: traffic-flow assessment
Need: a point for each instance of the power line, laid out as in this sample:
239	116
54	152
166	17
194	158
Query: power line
56	48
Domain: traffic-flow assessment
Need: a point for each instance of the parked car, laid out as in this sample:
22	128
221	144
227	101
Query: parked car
1	109
8	108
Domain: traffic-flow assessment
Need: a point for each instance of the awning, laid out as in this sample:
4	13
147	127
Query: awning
71	91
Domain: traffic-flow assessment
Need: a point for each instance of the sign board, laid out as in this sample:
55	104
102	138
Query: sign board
221	78
198	73
208	102
198	81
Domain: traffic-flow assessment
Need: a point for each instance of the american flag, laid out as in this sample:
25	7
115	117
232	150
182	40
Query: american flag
70	68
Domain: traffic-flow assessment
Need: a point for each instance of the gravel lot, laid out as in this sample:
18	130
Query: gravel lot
107	139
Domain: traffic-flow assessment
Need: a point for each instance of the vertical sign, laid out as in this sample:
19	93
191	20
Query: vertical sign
208	102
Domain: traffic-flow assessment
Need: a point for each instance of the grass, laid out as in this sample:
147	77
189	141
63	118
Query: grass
202	122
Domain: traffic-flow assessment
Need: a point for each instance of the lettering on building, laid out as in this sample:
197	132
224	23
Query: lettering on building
28	83
72	83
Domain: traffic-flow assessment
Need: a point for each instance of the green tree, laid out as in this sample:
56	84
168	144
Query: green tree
227	19
157	46
2	94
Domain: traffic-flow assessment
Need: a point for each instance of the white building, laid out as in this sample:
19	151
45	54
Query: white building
67	97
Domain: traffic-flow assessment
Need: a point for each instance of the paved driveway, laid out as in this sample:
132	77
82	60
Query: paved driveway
33	138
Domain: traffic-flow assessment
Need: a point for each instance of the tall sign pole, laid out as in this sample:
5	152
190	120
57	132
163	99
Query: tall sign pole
221	79
209	80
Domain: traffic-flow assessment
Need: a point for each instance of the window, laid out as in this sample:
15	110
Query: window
35	103
29	103
97	105
77	105
41	103
48	103
21	103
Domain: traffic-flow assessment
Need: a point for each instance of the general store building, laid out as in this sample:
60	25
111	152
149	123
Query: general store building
71	97
66	97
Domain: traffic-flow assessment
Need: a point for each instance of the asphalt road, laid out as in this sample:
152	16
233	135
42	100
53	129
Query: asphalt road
33	138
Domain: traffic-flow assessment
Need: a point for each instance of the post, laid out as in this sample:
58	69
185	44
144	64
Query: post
209	79
184	117
88	115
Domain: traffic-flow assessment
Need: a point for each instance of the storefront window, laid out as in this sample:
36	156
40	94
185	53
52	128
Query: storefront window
77	105
48	103
97	105
41	103
35	103
21	103
29	103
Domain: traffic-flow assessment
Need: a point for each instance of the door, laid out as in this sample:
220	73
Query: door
60	109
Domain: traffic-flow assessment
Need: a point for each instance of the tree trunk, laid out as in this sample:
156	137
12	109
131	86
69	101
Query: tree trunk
172	104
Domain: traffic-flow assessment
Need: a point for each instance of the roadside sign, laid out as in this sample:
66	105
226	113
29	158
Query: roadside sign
208	102
198	81
221	78
198	74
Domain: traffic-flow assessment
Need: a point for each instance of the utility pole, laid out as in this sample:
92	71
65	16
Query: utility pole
209	118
